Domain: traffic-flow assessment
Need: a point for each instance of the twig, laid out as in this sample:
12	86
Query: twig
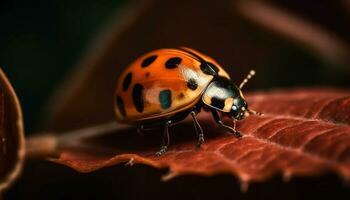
289	25
47	144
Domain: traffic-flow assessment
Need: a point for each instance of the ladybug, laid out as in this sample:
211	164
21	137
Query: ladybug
164	86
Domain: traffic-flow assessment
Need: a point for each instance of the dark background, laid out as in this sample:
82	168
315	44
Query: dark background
42	40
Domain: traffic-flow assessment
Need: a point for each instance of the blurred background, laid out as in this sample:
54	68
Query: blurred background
290	43
41	41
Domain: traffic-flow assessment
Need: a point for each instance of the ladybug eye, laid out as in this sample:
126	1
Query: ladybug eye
234	108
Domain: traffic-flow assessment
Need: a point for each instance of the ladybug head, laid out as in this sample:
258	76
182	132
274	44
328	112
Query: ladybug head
223	95
239	109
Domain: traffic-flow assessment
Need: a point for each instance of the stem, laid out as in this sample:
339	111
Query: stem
48	144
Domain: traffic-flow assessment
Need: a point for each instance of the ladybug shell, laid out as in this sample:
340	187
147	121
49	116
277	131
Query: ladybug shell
162	83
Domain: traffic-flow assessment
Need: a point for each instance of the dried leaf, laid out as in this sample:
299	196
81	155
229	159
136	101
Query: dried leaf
11	134
303	132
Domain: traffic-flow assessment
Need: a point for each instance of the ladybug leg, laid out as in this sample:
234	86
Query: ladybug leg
199	130
229	128
166	139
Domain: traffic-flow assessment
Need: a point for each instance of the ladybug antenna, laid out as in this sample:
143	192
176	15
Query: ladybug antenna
253	112
249	76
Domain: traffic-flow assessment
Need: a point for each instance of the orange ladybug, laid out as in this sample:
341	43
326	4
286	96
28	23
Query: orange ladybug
164	86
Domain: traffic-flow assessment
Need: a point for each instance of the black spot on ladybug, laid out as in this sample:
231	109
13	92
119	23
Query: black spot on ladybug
120	105
192	84
137	97
217	103
173	62
149	60
147	74
165	99
209	68
127	81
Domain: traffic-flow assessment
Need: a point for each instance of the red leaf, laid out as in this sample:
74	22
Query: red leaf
303	132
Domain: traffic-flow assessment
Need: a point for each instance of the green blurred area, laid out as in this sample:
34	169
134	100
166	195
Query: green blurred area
42	40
